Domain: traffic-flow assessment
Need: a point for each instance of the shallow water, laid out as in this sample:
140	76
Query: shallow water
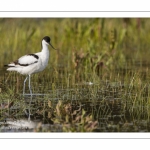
111	102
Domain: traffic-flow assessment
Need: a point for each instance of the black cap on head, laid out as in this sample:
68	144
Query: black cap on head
47	39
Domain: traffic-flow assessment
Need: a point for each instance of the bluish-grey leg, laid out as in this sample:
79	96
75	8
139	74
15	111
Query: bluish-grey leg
24	85
29	114
30	86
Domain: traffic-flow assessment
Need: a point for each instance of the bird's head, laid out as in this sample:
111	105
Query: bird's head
46	40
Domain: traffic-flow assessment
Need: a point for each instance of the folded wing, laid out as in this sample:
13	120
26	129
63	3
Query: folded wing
25	60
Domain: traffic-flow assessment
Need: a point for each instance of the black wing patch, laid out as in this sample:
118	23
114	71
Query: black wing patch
16	62
36	56
27	64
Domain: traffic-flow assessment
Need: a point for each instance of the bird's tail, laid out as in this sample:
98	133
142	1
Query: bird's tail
10	65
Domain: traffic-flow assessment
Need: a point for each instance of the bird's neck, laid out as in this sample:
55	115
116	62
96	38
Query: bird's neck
45	54
45	48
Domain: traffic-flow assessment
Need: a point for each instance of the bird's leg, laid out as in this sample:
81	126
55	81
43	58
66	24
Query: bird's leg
30	86
24	85
29	119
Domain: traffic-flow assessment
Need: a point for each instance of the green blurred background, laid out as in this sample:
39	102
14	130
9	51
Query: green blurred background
112	40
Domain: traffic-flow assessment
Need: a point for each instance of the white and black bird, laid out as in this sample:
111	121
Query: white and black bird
32	63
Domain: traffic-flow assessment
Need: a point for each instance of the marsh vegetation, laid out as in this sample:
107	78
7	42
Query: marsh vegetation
98	81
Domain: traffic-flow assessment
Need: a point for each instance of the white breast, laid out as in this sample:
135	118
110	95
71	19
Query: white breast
43	60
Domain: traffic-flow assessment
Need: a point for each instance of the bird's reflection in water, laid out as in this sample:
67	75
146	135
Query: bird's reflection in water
28	110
